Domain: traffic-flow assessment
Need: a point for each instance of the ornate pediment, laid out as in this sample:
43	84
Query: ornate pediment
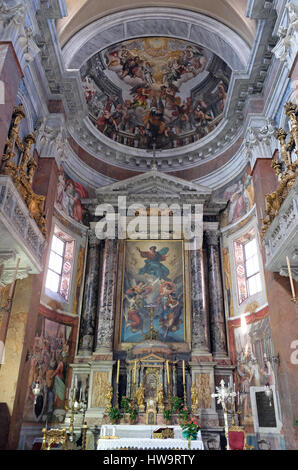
152	358
154	180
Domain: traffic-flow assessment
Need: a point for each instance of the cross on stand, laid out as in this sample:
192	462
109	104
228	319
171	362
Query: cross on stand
224	396
153	333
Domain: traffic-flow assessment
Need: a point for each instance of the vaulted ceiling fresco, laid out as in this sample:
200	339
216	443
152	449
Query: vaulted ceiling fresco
155	91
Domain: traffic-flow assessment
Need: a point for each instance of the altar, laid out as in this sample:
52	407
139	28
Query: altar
141	437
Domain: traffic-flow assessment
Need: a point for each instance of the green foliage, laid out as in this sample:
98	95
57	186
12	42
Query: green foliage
114	414
167	414
183	413
133	413
125	404
176	404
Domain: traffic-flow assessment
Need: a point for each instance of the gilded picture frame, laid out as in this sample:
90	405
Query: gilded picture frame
153	274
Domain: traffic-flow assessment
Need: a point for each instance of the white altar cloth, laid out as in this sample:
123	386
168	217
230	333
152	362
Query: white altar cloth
144	444
137	430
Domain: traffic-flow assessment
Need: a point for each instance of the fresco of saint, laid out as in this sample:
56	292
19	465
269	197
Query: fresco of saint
68	197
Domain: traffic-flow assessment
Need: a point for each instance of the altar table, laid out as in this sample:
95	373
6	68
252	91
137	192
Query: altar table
141	437
146	444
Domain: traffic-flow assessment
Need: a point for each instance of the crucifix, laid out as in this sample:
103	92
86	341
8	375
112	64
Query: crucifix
224	396
153	333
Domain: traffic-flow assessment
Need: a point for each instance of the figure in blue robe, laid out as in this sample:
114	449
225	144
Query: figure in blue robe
153	264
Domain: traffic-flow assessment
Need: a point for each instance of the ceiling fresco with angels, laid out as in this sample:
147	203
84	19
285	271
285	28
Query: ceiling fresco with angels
155	91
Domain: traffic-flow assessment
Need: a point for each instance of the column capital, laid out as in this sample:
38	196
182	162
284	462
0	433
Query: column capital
212	237
92	238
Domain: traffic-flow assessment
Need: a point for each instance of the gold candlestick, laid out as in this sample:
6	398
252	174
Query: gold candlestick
294	299
168	373
117	384
118	370
135	373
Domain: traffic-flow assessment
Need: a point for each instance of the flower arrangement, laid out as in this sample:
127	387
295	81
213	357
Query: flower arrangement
183	413
133	413
190	427
125	404
176	404
114	414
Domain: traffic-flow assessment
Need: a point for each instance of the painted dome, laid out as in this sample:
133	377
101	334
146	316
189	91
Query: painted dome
155	91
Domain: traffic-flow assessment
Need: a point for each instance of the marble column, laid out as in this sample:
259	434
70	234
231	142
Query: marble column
199	303
90	298
105	327
216	306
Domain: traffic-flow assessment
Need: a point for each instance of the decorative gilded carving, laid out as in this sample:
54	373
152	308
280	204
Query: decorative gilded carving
194	398
22	173
140	395
53	436
290	110
100	386
109	397
277	166
281	136
160	398
285	170
204	391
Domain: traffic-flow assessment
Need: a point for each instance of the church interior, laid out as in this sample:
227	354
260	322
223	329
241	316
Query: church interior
148	224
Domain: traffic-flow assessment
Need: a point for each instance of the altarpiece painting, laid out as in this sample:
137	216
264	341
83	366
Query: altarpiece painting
153	291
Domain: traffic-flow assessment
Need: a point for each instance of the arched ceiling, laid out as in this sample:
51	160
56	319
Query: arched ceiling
229	12
221	56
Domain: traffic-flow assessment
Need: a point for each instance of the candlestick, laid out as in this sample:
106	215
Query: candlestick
118	369
135	373
183	367
291	280
168	373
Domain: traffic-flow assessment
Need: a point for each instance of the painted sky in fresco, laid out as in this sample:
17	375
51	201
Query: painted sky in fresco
162	89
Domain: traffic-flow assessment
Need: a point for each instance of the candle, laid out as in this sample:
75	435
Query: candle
183	367
118	369
291	278
135	373
14	279
80	394
168	373
114	431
